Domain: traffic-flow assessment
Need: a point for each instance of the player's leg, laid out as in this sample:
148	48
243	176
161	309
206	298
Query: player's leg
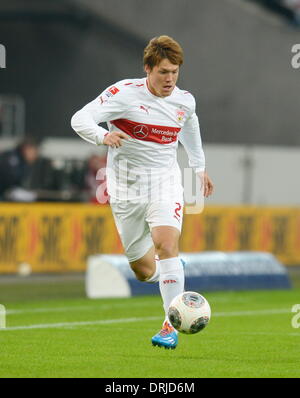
146	268
136	239
165	220
171	282
133	224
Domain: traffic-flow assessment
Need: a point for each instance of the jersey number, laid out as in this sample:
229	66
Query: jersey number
177	209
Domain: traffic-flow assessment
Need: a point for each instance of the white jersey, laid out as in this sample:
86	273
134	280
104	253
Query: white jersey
155	124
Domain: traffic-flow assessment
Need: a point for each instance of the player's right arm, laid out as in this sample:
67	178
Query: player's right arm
110	105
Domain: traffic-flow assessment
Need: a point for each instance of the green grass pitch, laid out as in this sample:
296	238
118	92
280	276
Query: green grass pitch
250	334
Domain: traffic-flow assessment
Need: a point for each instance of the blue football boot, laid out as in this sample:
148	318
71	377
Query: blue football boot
167	337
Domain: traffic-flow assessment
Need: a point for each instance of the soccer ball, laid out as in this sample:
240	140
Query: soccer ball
189	312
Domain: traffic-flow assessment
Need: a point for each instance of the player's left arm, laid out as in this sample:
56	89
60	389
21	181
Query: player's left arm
190	137
206	183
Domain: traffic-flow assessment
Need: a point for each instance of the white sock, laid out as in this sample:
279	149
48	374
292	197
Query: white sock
171	280
155	277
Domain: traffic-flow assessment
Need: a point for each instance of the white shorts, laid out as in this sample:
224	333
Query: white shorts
135	221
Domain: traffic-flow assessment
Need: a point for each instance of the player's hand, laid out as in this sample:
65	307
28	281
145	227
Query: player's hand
114	139
207	185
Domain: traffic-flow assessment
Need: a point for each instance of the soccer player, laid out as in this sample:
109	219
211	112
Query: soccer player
146	117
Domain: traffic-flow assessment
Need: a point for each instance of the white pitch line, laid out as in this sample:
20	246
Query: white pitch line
108	306
104	307
84	323
129	320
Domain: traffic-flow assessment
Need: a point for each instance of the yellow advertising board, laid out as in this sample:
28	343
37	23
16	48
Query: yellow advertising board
55	237
245	228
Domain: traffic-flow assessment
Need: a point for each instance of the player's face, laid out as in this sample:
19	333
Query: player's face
162	78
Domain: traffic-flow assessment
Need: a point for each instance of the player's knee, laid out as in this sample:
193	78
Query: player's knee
167	249
141	274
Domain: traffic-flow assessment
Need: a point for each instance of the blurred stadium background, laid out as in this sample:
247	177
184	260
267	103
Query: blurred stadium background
62	54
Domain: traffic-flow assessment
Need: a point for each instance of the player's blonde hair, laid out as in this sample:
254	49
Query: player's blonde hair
162	47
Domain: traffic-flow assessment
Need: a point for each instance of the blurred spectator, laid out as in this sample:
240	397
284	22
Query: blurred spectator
26	176
93	180
15	171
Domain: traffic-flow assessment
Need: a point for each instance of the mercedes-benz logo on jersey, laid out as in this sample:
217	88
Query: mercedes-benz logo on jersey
141	131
